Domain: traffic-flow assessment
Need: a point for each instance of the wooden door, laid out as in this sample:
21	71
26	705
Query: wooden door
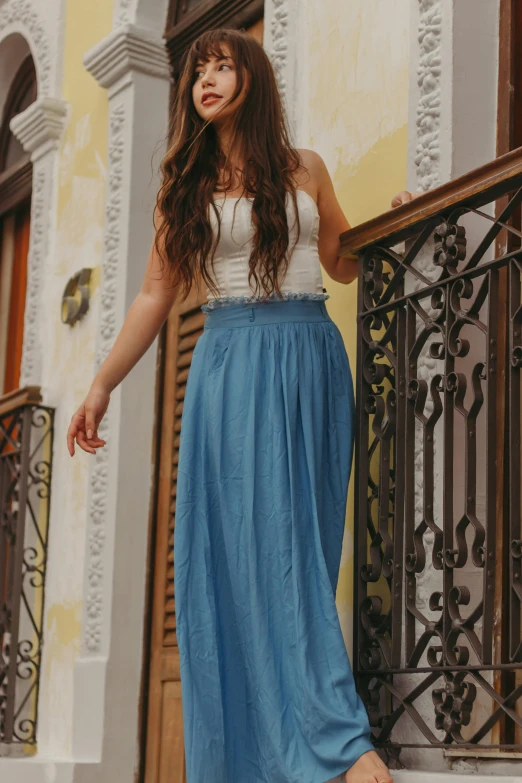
14	245
13	275
164	753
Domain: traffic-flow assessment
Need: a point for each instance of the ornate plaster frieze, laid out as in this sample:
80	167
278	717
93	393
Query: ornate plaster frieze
21	16
427	166
427	157
124	12
278	43
99	476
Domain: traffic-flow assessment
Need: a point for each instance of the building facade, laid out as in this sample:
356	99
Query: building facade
417	94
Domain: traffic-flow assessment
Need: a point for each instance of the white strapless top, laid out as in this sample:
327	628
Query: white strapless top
303	276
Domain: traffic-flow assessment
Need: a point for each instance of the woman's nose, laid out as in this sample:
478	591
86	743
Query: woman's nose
208	80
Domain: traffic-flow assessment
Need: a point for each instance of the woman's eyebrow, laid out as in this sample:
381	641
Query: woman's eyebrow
201	63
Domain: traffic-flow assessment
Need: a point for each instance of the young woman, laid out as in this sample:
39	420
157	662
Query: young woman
266	439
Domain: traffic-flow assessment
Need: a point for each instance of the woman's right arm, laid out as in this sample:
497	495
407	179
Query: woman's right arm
143	321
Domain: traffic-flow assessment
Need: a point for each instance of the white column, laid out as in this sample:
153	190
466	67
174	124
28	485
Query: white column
39	130
131	63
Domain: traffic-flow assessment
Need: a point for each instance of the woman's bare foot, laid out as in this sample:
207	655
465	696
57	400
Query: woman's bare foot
368	769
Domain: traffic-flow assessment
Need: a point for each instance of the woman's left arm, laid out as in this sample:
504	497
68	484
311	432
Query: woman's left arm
333	221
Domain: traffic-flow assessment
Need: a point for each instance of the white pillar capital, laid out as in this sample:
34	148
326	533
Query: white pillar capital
126	49
39	128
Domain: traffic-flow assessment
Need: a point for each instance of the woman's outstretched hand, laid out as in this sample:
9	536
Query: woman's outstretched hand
85	422
404	196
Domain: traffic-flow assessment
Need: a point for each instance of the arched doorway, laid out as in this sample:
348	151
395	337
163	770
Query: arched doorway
162	717
15	209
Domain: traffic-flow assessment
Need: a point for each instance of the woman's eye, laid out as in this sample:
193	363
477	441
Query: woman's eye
197	74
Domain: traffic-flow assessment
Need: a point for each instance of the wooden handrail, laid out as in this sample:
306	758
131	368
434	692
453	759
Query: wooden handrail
474	189
28	395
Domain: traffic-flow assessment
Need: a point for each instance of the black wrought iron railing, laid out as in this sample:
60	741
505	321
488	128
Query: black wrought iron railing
438	644
26	443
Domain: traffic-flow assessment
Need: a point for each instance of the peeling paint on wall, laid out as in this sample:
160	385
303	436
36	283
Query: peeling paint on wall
352	83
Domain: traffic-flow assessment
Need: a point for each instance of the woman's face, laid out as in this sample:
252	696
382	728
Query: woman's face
214	85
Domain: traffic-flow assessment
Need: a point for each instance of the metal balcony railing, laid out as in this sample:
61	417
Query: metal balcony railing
26	443
438	643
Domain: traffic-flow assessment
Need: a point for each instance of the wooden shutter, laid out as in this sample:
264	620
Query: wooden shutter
164	756
15	325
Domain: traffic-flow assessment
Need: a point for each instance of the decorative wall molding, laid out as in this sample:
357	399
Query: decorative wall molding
285	21
40	127
92	634
278	42
31	352
128	48
427	153
20	15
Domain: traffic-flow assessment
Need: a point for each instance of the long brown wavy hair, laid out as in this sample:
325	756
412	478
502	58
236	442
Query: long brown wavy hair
194	165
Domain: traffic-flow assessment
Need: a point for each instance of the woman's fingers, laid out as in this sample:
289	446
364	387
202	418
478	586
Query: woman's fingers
87	444
404	196
84	426
74	428
81	440
71	434
401	198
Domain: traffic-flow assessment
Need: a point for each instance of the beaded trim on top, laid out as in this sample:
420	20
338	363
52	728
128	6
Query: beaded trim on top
226	300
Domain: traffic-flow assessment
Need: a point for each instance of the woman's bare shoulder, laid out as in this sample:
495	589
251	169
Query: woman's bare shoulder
314	169
310	157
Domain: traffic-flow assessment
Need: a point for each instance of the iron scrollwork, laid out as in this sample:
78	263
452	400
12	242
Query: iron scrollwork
429	583
26	438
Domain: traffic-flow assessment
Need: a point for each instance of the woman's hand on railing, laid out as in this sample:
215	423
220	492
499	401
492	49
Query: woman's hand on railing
404	196
85	422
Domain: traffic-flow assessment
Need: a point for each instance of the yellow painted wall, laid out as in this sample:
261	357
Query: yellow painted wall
69	360
354	84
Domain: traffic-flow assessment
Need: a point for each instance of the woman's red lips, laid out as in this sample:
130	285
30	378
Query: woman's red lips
210	96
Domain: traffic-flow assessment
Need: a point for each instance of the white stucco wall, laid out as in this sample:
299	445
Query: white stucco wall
344	68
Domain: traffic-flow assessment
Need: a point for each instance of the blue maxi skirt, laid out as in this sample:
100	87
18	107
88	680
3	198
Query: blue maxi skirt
265	454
